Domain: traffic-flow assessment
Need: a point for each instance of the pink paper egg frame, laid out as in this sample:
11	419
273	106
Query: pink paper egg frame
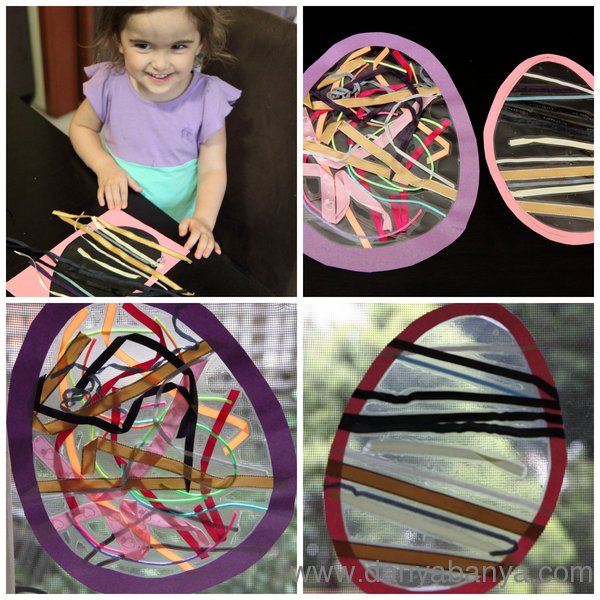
551	233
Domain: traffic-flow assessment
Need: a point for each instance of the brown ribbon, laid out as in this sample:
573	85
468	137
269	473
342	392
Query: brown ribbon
431	498
416	558
130	391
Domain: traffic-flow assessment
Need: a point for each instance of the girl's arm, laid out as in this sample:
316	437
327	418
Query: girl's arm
112	180
212	180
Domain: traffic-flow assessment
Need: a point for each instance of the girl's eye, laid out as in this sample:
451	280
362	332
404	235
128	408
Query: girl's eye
141	45
179	46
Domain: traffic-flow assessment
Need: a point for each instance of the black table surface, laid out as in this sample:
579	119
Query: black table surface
44	173
497	255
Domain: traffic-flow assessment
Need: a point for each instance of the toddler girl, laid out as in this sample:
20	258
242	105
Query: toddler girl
163	120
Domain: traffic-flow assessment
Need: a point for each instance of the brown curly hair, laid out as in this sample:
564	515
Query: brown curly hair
211	22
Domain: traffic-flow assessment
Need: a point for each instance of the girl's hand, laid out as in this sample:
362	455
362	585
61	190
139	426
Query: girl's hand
112	185
201	234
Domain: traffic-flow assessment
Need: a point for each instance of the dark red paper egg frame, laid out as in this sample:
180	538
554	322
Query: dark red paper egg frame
558	457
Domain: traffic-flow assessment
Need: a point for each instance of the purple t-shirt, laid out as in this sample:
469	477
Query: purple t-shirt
157	134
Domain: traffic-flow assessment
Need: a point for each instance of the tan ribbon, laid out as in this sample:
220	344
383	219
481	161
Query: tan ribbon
563	210
556	173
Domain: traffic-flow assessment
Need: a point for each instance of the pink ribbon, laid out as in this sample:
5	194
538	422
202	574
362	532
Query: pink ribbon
346	187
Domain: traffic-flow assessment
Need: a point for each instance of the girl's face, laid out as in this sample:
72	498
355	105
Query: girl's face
159	48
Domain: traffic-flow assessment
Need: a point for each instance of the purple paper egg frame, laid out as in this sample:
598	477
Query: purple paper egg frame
42	332
409	252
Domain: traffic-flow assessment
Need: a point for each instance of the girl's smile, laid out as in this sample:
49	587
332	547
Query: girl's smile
159	49
158	76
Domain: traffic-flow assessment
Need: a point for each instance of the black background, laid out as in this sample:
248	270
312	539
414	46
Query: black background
497	255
